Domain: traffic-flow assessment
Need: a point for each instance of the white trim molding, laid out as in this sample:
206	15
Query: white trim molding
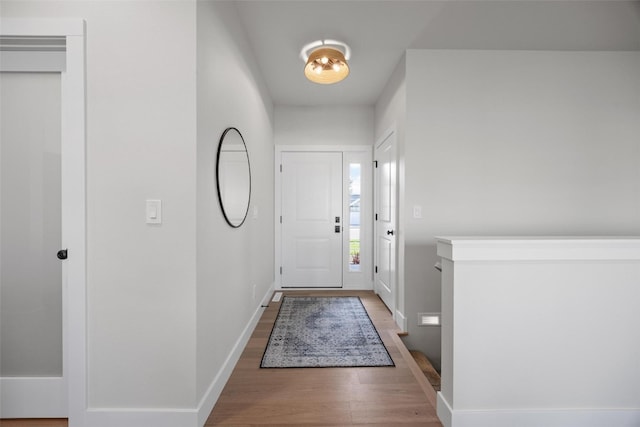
37	397
140	417
517	248
401	321
537	417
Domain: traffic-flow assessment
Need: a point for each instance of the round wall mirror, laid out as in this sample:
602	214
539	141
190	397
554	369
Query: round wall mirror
234	177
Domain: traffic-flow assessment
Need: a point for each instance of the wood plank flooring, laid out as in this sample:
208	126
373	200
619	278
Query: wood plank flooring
388	396
399	396
35	422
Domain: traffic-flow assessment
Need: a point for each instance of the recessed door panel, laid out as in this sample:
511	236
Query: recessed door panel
385	264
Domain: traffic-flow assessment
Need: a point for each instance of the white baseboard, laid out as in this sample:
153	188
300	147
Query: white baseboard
141	417
33	397
215	388
537	417
401	321
326	288
169	417
443	410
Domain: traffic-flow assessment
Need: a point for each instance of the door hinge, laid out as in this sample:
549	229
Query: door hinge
280	219
280	168
280	270
376	217
375	164
376	269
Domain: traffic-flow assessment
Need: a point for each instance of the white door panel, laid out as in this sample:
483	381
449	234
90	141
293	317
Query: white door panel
311	211
385	227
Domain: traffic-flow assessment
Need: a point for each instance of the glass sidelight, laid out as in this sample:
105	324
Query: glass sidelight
355	218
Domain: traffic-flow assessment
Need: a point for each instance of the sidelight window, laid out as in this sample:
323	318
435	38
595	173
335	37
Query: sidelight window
355	171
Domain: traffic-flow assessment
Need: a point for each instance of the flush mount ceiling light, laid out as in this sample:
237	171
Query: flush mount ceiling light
326	61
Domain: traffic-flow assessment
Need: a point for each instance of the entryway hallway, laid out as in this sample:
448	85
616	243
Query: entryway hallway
327	396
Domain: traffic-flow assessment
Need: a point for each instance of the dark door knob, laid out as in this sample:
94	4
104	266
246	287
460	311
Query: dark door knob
389	232
62	254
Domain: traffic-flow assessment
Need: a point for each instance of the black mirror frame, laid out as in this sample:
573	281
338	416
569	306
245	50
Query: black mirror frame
224	213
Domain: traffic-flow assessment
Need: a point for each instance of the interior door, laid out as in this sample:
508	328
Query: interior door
31	279
311	219
385	222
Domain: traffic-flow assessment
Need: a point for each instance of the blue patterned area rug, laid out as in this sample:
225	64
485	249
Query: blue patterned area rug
323	332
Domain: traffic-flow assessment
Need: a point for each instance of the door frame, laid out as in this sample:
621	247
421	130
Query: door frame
70	390
397	311
345	150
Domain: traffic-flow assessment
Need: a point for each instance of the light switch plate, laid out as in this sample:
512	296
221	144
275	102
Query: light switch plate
154	211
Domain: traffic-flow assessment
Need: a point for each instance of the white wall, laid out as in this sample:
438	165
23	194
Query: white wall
230	261
514	142
140	144
340	125
540	332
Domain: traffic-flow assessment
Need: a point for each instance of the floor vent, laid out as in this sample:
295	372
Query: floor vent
277	296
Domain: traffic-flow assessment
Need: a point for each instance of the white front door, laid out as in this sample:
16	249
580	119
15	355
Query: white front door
311	219
385	222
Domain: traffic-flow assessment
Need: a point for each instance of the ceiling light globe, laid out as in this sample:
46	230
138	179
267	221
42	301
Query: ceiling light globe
317	73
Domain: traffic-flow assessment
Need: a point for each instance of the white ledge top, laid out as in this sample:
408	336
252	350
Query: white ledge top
534	248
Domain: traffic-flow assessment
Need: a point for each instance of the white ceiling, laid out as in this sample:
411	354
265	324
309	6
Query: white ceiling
379	32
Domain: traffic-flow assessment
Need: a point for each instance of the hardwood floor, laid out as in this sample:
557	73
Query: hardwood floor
327	396
398	396
35	422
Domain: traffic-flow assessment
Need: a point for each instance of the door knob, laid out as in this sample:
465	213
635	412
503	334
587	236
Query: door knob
62	254
389	232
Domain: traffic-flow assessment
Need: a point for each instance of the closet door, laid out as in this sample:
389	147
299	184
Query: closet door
31	293
42	219
386	226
